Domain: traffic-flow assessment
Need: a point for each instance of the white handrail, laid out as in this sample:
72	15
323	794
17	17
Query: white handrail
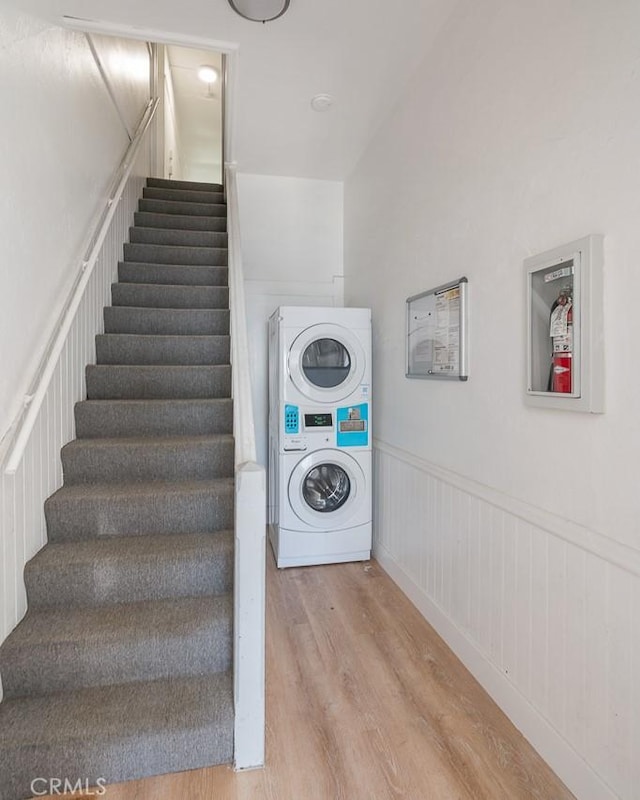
20	431
244	429
250	520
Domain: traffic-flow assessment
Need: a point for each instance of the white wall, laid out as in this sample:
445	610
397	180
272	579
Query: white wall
125	64
515	529
292	240
61	141
172	149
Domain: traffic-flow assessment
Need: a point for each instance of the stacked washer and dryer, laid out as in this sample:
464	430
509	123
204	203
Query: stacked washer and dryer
319	435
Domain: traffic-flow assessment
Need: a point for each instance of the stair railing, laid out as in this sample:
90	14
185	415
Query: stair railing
250	519
23	427
30	468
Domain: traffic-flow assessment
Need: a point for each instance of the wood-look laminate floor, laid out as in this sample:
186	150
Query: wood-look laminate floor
365	702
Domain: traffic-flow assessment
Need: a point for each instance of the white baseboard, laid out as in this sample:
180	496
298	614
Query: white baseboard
571	768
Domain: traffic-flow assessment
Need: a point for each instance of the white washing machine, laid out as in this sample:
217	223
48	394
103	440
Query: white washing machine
319	435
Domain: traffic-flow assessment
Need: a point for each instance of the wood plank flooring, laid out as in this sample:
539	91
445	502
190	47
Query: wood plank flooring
365	702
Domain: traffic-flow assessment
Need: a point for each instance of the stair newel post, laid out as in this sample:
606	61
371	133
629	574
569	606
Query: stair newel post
249	610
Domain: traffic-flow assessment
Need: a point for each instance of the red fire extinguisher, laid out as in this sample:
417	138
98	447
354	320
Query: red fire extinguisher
561	332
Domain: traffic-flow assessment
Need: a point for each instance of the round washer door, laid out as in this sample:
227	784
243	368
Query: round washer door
326	362
326	490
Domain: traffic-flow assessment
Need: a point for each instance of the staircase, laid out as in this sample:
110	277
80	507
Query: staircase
121	667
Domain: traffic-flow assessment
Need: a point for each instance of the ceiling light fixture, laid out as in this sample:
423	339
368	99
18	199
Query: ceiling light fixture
208	74
260	10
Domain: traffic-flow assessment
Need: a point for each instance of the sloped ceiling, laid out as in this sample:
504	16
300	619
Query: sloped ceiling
362	52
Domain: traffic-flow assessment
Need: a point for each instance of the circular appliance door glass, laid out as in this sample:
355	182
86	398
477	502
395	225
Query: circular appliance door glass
328	490
326	363
326	487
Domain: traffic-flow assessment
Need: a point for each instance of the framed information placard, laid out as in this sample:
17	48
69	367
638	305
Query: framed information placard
437	333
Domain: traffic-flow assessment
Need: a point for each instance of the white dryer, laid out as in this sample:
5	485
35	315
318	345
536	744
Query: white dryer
324	353
320	435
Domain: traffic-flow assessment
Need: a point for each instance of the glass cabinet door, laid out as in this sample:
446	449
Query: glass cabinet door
565	337
554	330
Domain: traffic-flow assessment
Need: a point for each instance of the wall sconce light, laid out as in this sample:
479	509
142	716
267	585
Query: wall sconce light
260	10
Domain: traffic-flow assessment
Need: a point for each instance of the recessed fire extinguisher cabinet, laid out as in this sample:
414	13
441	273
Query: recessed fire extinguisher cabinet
565	343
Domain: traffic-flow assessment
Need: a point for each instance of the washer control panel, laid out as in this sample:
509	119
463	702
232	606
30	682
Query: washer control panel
294	443
307	428
292	439
291	419
318	421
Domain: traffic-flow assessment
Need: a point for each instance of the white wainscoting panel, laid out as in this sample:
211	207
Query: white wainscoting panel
39	474
550	626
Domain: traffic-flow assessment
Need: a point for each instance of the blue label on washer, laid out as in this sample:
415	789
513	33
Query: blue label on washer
291	419
353	426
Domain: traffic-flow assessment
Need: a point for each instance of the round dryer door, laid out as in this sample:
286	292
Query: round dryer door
326	490
326	362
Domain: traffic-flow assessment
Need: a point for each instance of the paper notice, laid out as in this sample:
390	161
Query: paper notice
446	346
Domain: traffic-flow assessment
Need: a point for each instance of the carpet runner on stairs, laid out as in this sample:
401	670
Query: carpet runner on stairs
121	667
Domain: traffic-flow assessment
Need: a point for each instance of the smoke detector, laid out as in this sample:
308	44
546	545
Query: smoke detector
322	102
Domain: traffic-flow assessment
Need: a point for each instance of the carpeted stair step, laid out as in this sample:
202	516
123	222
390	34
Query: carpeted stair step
169	458
167	321
107	418
181	195
128	382
189	209
177	237
149	219
153	295
96	646
178	254
116	733
113	509
130	569
129	348
168	183
172	274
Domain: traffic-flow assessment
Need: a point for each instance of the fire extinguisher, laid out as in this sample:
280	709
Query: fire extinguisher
561	333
